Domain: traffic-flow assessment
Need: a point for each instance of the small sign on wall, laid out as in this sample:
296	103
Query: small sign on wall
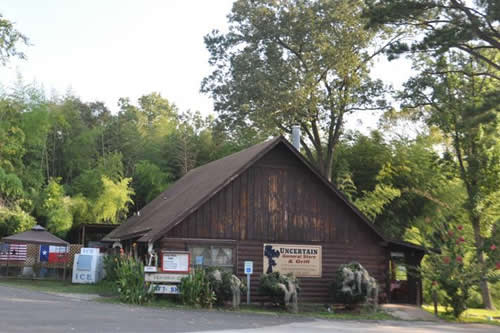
175	262
248	267
150	269
301	260
165	289
161	277
89	251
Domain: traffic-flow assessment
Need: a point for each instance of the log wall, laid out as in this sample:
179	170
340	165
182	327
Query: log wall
280	200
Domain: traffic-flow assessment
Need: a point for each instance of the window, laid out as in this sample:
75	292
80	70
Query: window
84	262
398	267
215	256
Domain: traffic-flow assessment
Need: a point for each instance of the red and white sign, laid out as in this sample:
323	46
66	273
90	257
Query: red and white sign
175	262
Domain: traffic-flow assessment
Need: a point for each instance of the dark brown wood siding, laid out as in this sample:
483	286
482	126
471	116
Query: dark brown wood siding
276	199
280	200
333	255
312	289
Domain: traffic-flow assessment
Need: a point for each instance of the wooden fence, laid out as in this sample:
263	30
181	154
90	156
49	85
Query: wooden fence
32	267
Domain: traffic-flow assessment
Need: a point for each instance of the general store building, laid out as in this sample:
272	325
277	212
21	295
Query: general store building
270	198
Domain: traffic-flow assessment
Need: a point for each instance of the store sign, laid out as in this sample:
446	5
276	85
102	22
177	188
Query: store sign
150	269
301	260
164	289
161	277
90	251
175	262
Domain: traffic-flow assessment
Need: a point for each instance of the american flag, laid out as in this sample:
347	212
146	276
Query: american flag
13	252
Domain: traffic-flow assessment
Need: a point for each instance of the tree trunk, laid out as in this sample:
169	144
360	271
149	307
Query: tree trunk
485	290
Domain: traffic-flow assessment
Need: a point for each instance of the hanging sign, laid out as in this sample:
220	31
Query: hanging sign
175	262
301	260
89	251
150	269
162	277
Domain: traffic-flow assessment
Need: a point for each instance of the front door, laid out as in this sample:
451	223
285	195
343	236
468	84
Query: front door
399	278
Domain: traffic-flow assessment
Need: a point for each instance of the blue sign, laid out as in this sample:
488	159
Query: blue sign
248	267
199	260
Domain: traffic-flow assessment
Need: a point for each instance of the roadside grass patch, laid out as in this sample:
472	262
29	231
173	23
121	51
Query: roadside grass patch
482	316
305	310
319	311
103	288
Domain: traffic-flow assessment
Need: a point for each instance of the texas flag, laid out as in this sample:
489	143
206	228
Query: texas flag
53	254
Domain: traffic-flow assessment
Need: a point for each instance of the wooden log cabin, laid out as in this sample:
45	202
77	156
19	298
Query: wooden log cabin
226	212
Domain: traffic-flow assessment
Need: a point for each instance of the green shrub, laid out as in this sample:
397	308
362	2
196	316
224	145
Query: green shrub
110	263
195	289
220	282
475	299
269	286
495	293
130	282
427	290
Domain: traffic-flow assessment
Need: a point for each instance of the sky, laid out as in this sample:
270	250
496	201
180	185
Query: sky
104	50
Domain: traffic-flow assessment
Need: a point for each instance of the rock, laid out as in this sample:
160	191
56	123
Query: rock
236	291
354	285
290	291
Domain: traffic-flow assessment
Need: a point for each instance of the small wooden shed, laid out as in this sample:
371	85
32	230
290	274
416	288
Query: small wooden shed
269	205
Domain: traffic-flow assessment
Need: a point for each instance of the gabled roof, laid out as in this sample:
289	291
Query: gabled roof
187	194
37	235
199	185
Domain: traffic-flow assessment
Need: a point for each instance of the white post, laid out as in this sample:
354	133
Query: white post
248	265
248	288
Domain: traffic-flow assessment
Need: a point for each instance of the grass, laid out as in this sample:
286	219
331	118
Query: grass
319	311
102	288
469	316
305	310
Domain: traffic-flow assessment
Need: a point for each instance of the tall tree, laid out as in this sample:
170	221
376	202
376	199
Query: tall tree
299	62
112	204
55	208
465	109
10	39
438	26
394	182
148	182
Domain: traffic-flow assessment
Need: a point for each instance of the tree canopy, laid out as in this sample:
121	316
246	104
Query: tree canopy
437	27
294	62
10	39
65	161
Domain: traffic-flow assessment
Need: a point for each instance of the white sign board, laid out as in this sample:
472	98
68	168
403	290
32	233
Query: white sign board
165	289
150	269
175	262
90	251
301	260
161	277
248	267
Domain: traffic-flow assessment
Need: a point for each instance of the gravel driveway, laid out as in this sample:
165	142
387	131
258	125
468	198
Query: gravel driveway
23	310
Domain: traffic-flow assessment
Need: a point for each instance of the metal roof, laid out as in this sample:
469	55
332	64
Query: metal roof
194	189
37	235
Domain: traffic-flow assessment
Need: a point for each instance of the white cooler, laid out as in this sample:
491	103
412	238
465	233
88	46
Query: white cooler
88	266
